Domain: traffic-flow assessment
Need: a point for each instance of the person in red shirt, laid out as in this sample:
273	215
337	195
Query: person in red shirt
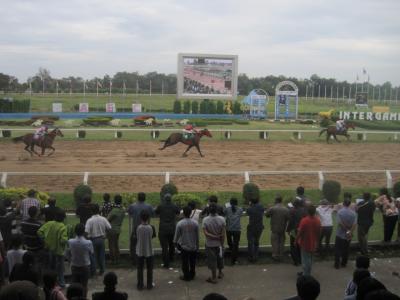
308	234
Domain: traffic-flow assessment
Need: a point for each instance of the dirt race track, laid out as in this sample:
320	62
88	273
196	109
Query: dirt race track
135	156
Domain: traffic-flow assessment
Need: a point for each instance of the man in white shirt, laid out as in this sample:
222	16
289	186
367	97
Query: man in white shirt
96	229
324	211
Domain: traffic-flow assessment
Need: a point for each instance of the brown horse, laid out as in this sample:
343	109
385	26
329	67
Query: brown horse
332	131
175	138
42	142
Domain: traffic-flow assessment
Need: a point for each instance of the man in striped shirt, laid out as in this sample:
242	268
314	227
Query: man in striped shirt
27	203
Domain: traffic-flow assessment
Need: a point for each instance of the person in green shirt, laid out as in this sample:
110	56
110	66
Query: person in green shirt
55	237
115	217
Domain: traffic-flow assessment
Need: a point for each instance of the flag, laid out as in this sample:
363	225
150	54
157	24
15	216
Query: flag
99	84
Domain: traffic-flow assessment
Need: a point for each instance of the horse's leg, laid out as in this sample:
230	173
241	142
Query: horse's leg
167	143
188	148
328	136
334	135
27	149
52	150
43	149
198	149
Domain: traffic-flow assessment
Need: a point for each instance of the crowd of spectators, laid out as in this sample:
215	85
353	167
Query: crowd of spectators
36	247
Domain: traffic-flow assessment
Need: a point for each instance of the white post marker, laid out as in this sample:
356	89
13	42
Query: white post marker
77	134
167	177
321	180
364	136
115	134
3	182
395	137
389	179
246	177
265	135
1	133
85	178
299	135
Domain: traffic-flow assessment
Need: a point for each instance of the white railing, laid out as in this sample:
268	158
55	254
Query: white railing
167	175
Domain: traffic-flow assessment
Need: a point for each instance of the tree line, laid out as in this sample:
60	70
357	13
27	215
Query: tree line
159	83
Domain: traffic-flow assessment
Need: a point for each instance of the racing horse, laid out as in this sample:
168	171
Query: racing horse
177	137
332	131
45	142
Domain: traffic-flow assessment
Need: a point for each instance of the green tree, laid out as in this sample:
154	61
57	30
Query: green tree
204	106
220	107
195	107
177	107
237	110
212	107
186	107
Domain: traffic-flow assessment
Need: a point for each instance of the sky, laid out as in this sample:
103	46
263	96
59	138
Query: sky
87	38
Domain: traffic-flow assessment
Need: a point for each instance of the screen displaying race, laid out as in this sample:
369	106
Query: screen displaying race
208	76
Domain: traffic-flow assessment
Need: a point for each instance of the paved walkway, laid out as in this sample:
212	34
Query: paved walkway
264	281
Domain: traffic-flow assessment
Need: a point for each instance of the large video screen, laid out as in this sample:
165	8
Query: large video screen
207	76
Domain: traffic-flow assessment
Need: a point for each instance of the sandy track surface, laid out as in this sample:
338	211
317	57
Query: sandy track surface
126	156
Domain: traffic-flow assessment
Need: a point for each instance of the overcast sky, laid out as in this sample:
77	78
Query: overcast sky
335	38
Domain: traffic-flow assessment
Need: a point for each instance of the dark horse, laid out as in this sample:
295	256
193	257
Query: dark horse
175	138
42	142
332	131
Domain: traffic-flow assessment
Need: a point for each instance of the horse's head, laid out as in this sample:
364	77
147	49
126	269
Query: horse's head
206	132
350	125
56	131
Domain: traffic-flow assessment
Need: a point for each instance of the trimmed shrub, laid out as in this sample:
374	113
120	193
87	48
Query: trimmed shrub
331	190
81	134
396	189
168	188
17	194
183	199
81	191
237	110
212	107
250	191
195	107
186	107
220	107
6	133
119	134
96	121
177	107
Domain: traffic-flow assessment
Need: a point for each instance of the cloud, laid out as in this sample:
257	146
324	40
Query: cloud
298	38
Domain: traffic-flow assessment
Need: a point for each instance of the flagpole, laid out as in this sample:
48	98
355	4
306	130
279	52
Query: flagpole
57	88
97	88
30	88
84	89
319	92
137	87
325	93
162	87
306	92
331	93
343	92
150	87
42	86
110	88
70	87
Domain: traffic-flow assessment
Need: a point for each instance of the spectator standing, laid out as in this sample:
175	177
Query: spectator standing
78	253
28	202
346	223
55	237
11	209
25	270
168	213
390	213
308	237
51	289
300	195
2	264
107	205
96	228
49	211
212	200
134	212
308	288
365	218
254	228
85	209
144	250
116	218
195	214
187	241
214	231
325	211
279	215
6	225
15	254
233	213
296	213
110	282
29	228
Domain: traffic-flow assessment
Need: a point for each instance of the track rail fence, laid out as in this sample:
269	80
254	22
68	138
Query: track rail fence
167	175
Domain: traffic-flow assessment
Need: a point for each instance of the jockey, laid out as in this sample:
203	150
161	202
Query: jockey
340	125
42	131
189	130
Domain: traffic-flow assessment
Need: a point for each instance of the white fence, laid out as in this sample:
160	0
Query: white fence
167	175
228	132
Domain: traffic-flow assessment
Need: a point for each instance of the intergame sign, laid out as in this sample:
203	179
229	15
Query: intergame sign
369	116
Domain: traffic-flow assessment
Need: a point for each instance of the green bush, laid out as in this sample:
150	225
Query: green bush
128	199
96	121
237	109
186	107
396	189
17	194
331	190
212	107
195	107
325	122
250	191
168	188
81	134
80	192
220	107
183	199
6	133
177	107
241	122
377	125
9	105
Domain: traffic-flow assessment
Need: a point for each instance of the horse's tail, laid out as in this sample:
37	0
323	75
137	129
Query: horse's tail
322	131
18	139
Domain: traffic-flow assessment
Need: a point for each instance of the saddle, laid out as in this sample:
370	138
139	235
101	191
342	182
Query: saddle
188	136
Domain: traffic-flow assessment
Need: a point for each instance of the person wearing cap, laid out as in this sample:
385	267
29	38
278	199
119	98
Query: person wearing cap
324	212
29	201
168	213
39	135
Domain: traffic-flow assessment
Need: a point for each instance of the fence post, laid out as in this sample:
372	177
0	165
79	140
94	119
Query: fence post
395	137
3	182
166	177
77	134
115	134
364	136
389	179
265	135
246	177
321	180
1	133
85	178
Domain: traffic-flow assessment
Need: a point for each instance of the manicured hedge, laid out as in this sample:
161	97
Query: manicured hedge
8	105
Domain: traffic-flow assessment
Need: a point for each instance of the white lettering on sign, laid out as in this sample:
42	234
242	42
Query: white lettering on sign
378	116
393	117
369	116
361	117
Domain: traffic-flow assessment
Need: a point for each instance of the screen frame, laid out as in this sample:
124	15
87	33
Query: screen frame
181	95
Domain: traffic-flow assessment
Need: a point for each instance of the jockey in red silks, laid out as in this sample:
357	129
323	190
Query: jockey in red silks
189	130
